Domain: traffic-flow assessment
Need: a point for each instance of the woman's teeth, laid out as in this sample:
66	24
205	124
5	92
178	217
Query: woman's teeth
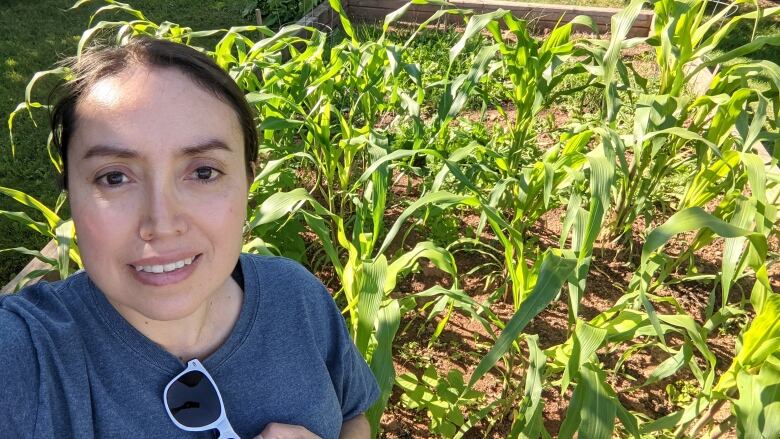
164	268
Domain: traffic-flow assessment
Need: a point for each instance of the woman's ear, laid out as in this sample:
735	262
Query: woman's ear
253	173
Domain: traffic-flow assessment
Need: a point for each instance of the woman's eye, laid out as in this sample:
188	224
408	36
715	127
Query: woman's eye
206	174
113	179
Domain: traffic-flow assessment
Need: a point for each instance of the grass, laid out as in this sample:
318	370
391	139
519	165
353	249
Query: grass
33	35
743	33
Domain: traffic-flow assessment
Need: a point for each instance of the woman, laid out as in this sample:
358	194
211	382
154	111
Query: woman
159	148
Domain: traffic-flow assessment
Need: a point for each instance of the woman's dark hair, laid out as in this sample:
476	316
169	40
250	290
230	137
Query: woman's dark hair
99	63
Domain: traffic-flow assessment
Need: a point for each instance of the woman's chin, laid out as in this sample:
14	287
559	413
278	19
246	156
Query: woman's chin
158	308
168	312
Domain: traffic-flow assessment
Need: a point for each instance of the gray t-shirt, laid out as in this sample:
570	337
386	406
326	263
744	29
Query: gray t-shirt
71	366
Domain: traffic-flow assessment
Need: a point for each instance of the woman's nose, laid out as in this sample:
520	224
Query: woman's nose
162	216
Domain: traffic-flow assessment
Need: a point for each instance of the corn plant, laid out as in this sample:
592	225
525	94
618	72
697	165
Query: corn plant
333	108
683	37
595	406
53	226
536	71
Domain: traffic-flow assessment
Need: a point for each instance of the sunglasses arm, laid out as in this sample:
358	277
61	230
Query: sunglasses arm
226	430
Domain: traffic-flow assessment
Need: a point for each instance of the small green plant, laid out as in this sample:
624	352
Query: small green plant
682	392
446	400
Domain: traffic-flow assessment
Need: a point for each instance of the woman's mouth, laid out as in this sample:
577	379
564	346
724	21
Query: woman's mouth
173	266
165	274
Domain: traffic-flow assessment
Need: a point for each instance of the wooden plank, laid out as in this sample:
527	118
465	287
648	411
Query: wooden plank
426	12
538	20
487	5
50	250
376	10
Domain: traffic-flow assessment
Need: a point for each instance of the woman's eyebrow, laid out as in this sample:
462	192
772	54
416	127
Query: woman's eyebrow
204	147
109	151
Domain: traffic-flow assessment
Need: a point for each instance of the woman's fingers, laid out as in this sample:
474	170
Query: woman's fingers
276	430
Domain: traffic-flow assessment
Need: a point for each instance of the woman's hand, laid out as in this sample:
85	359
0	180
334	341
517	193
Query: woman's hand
275	430
356	428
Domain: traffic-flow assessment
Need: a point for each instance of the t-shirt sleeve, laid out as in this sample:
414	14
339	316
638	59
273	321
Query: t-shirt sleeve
18	378
355	384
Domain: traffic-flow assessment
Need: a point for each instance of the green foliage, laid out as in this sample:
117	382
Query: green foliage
682	393
443	398
758	406
56	228
277	13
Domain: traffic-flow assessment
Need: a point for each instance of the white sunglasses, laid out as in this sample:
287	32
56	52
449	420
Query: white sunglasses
194	403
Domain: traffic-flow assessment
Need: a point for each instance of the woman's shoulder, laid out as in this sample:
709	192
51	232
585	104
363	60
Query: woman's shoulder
286	282
45	304
276	265
19	375
280	273
41	343
17	346
15	339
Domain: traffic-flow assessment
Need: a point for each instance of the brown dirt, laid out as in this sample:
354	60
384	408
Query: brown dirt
464	341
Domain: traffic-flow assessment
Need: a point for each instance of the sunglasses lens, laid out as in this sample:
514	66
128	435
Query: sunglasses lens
193	400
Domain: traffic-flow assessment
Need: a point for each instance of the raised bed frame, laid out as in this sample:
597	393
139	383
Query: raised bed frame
542	16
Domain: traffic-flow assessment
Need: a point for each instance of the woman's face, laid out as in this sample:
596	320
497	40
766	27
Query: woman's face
157	187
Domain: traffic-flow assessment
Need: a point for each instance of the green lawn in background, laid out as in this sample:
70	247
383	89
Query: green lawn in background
743	32
33	35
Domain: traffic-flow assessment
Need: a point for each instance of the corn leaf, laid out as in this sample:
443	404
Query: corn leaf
389	319
553	273
758	405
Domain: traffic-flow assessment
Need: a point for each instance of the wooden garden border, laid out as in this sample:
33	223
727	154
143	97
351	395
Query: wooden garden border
542	16
546	15
50	251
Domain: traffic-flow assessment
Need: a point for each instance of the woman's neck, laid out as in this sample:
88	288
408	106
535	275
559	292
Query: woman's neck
199	334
